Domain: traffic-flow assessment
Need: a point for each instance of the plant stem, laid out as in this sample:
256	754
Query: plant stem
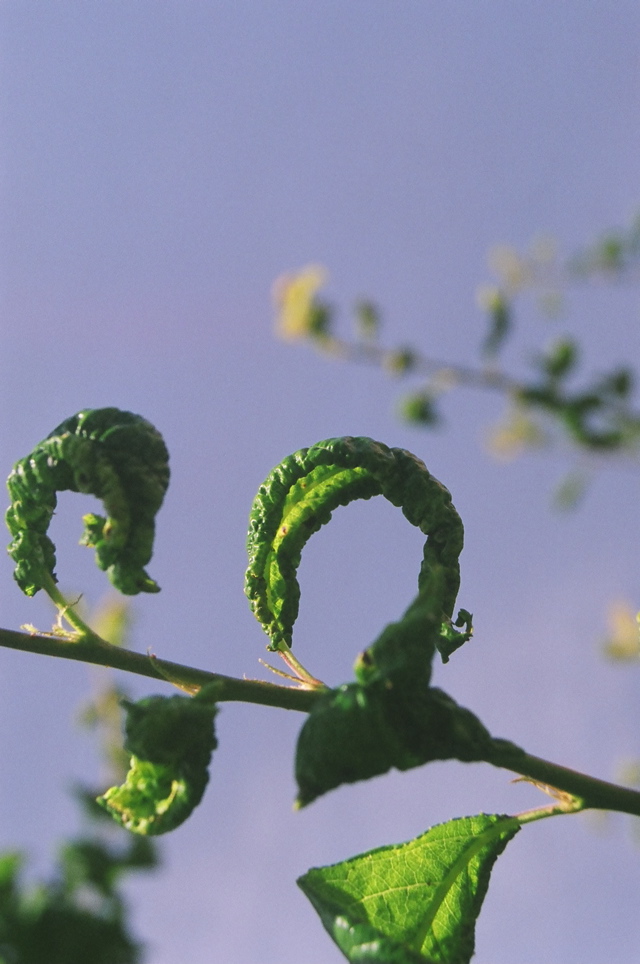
591	792
595	794
66	610
563	807
102	653
373	354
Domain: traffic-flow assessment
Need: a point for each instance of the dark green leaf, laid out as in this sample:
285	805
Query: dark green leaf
419	899
319	320
118	457
358	731
619	383
419	408
298	497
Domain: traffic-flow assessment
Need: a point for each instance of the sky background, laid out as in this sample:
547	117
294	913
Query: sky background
162	164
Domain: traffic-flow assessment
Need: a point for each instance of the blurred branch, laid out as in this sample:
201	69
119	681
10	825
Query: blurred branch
596	417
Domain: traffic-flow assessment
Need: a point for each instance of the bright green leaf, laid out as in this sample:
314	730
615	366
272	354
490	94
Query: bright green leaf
419	899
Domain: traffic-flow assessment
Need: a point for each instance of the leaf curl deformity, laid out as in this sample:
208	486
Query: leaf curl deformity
298	497
112	454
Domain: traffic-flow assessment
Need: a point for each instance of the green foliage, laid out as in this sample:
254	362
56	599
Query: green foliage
419	408
500	322
170	739
554	400
367	320
391	716
79	916
412	902
118	457
360	731
298	497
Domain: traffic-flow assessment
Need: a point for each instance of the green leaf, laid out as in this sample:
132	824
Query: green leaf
118	457
299	496
367	319
560	359
391	716
358	731
419	408
417	901
171	740
400	361
496	303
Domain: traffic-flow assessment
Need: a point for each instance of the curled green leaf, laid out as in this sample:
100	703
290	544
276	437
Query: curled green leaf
118	457
298	497
170	740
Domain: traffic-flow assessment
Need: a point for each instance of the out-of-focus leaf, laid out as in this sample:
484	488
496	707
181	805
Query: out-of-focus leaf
419	899
112	620
514	435
367	319
571	490
560	358
496	304
619	383
419	408
622	642
400	361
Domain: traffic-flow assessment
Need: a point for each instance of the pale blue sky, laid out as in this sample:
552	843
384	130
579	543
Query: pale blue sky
162	163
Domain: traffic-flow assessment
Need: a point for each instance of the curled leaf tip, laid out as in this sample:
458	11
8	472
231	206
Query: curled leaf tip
298	497
115	455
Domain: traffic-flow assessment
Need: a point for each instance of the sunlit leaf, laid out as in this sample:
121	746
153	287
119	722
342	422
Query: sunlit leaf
424	895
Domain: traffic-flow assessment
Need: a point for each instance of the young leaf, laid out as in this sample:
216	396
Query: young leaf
416	901
171	739
118	457
298	497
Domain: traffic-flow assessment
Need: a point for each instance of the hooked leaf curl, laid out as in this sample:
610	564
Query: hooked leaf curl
118	457
298	497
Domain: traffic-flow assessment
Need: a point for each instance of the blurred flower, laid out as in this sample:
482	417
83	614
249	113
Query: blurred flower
623	638
299	315
513	271
516	433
